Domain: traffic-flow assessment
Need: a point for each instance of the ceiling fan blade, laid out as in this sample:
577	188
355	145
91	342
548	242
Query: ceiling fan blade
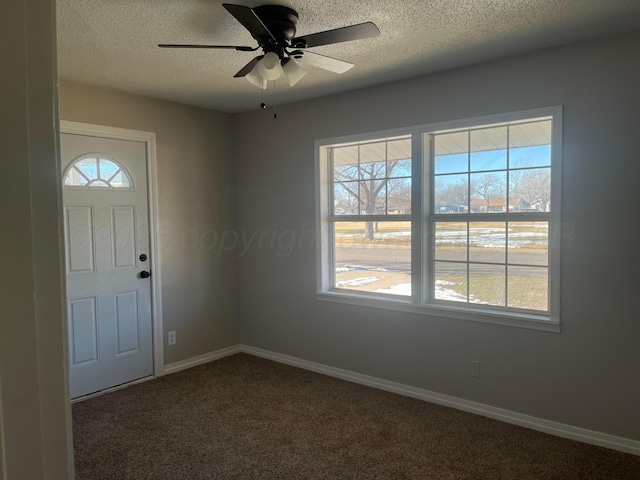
225	47
344	34
248	67
248	18
313	59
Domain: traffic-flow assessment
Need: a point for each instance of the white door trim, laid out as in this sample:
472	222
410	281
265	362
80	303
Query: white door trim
149	139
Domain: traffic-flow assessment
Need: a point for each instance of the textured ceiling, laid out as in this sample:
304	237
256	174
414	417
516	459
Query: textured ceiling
112	43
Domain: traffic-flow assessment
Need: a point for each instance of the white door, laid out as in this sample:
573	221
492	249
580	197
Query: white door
107	255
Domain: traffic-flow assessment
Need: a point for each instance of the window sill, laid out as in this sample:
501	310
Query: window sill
533	322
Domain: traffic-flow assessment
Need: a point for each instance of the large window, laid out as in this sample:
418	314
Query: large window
371	216
481	241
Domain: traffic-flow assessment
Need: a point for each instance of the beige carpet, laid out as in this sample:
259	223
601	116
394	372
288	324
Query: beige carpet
243	417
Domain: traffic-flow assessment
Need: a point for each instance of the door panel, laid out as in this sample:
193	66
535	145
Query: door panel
127	322
80	245
106	231
124	236
83	331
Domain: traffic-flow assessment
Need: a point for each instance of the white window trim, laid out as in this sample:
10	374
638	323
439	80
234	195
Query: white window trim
546	322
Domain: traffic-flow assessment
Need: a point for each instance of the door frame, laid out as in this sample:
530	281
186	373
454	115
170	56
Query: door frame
149	139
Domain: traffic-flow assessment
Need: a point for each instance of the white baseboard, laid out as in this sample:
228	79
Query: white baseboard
201	359
547	426
554	428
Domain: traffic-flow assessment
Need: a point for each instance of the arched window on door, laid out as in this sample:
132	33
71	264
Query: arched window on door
97	171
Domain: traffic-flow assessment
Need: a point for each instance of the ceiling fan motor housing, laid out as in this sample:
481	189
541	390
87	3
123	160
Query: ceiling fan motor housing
281	22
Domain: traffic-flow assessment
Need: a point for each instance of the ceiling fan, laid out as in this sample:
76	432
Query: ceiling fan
284	54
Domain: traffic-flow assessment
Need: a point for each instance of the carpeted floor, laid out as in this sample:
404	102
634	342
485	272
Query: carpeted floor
243	417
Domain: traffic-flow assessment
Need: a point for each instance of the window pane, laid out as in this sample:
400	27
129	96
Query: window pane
528	287
399	168
451	241
345	198
456	163
487	284
489	192
489	149
526	157
451	193
530	190
451	281
399	196
373	152
373	256
529	243
530	144
399	149
487	242
74	177
376	170
373	196
120	181
345	156
89	167
345	173
451	152
107	169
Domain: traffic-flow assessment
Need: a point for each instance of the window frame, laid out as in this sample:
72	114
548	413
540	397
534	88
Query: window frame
423	216
90	186
360	217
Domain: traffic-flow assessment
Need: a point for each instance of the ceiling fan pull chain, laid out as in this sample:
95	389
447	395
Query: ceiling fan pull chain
275	103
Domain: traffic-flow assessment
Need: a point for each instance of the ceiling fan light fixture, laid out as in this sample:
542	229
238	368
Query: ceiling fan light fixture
256	79
293	72
269	67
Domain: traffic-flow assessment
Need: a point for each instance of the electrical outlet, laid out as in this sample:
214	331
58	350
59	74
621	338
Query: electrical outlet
475	369
172	337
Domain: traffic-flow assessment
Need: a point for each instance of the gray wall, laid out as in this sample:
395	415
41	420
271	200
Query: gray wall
587	375
34	408
196	190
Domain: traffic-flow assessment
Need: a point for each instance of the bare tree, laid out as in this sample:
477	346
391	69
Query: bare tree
364	183
488	186
531	186
399	195
452	194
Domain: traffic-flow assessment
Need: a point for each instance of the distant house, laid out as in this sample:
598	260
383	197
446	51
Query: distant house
499	205
452	209
492	206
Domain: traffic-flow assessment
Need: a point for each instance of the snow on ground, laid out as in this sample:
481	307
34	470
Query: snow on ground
443	293
479	237
401	289
491	238
357	282
349	268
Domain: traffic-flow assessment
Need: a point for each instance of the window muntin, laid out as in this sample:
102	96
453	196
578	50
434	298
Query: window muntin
373	180
97	171
495	261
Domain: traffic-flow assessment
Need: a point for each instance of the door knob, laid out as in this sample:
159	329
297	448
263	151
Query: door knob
145	274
